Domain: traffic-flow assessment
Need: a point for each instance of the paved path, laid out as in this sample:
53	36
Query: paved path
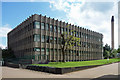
96	72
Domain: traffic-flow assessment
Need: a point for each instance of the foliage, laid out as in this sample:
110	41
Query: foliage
107	54
113	53
106	51
118	50
106	47
7	54
69	40
79	63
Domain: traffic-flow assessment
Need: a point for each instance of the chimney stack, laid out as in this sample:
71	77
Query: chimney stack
112	32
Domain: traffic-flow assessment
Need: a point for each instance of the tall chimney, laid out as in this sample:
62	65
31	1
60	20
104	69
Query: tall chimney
112	32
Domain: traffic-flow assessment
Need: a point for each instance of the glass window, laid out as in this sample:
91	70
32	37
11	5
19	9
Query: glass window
55	40
62	30
51	28
55	53
66	29
36	25
76	34
59	29
43	26
42	51
47	51
36	37
71	32
37	49
47	27
80	34
47	39
51	39
59	40
55	28
43	38
86	36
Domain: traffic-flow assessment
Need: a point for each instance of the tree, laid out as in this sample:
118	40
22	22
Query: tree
113	53
118	50
69	40
7	54
106	48
107	54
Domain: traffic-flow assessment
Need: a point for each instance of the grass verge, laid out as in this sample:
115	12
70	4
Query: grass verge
79	63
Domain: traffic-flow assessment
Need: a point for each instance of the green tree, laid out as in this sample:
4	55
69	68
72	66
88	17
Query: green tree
106	48
69	40
107	54
113	53
118	50
7	54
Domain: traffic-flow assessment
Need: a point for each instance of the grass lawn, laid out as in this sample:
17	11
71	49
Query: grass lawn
79	63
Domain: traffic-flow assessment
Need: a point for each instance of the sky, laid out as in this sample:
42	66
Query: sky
92	15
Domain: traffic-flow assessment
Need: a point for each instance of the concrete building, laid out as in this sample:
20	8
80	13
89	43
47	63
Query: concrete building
40	36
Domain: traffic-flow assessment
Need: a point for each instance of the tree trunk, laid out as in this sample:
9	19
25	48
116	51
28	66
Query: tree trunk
64	57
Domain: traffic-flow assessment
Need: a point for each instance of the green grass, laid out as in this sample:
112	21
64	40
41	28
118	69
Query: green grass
79	63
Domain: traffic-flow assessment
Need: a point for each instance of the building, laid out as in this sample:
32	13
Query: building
40	36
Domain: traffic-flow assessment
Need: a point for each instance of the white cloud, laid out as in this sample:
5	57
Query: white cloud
87	16
3	34
4	30
2	46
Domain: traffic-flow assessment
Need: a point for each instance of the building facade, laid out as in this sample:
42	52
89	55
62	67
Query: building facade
40	36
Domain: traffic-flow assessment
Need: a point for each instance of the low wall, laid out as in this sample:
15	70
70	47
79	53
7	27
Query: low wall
9	64
57	70
60	70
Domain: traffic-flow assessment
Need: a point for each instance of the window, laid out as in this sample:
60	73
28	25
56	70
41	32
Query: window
51	28
47	39
47	51
66	29
80	34
86	36
55	28
51	39
55	53
59	29
43	26
99	39
51	54
36	25
76	34
59	40
62	30
78	53
71	32
47	27
37	49
42	51
36	37
43	38
55	40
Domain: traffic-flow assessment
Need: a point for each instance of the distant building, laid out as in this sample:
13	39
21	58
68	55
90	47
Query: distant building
40	36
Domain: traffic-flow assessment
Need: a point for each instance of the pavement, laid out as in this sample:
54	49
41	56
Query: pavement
101	71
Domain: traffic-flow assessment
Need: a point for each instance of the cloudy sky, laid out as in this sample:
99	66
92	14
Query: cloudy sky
91	14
